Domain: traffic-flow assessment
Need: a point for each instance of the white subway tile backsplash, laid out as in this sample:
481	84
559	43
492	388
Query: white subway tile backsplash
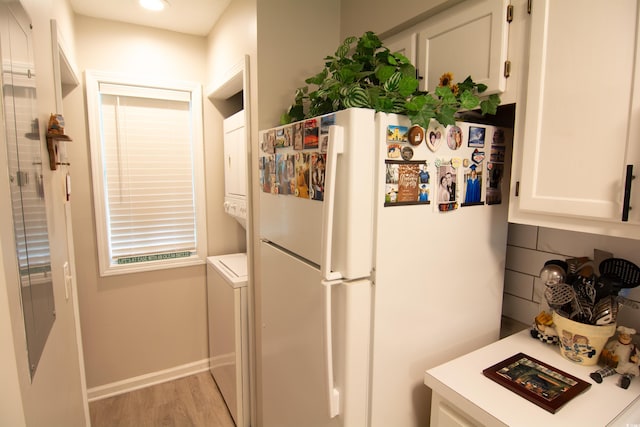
538	290
529	247
527	261
524	236
574	244
519	309
518	284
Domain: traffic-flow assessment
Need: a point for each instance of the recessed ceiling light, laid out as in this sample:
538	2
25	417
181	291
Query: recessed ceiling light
156	5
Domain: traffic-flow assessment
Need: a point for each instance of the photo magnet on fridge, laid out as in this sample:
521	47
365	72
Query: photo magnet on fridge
397	134
302	166
495	171
318	161
416	135
435	135
476	136
454	137
473	186
393	151
311	133
406	183
325	122
447	187
283	137
285	173
271	142
269	173
298	135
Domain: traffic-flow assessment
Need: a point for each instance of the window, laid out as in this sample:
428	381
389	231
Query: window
148	176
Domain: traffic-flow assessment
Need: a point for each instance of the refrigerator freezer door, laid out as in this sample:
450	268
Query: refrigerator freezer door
293	380
295	223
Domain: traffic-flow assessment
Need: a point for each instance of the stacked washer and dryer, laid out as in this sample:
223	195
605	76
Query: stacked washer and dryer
227	286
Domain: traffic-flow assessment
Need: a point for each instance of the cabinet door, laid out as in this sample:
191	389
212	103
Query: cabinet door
576	125
469	39
235	158
404	44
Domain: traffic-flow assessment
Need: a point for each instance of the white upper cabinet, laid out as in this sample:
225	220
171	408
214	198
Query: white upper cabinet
578	127
469	39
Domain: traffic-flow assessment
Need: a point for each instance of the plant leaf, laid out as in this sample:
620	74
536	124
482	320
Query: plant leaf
490	105
468	100
384	72
407	85
393	83
446	115
318	78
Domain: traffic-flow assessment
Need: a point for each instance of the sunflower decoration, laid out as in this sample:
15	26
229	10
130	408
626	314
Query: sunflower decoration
446	80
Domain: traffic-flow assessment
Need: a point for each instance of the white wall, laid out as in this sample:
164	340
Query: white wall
56	395
529	247
141	323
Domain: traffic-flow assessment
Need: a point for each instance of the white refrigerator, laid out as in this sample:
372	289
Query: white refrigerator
382	255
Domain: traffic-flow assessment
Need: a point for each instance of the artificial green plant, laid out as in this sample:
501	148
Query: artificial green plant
374	77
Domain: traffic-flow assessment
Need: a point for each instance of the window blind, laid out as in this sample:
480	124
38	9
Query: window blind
148	173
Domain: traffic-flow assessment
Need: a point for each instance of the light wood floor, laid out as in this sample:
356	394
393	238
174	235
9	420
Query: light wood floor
190	401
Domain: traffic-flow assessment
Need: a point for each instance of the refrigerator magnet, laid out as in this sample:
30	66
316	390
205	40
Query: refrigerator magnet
317	176
454	137
398	134
311	133
416	135
271	142
298	131
497	153
435	134
476	136
393	151
302	168
447	185
325	122
280	137
495	171
477	156
473	186
407	153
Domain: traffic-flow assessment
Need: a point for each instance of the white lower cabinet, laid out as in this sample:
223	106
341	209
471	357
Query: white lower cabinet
578	121
463	396
444	414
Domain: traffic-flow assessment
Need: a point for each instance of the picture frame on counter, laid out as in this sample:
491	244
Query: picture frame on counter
540	383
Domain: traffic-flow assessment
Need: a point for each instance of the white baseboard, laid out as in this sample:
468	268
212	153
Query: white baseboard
142	381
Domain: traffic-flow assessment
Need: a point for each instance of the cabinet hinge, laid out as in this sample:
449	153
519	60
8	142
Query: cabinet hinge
529	6
507	68
510	13
517	188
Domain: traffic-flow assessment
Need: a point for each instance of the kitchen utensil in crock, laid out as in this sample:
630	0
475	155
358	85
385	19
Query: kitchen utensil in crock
552	273
627	272
605	311
558	295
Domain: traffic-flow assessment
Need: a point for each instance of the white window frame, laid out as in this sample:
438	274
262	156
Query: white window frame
93	81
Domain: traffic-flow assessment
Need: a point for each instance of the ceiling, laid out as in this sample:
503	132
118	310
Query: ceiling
185	16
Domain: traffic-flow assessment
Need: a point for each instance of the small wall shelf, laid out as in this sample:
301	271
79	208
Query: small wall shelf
53	145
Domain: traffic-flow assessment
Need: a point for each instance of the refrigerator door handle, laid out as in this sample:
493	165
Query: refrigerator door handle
332	392
335	147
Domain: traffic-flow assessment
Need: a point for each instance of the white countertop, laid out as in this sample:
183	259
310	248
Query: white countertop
462	382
